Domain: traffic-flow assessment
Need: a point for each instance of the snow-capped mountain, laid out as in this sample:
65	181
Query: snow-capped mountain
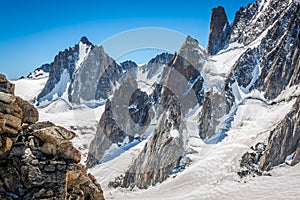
197	124
256	65
83	74
62	70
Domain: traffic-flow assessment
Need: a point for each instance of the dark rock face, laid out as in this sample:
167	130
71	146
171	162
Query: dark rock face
219	31
271	66
180	89
63	67
65	60
139	106
129	113
283	140
274	64
161	154
250	161
85	72
242	21
185	81
253	20
191	51
281	66
129	68
38	161
162	59
216	105
84	40
246	69
188	63
108	132
125	117
95	78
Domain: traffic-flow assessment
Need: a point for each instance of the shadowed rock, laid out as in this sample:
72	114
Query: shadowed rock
219	31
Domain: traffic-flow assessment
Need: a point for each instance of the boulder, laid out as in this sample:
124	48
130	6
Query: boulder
6	86
7	98
13	124
30	113
54	134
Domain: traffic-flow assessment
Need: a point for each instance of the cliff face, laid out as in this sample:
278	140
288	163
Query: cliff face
272	65
161	155
95	78
129	113
126	117
284	140
154	64
37	159
219	31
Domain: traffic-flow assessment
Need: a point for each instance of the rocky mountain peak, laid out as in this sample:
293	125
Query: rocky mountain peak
219	31
192	52
163	58
189	42
84	40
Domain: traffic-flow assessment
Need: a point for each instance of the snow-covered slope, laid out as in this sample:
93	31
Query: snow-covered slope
212	172
28	88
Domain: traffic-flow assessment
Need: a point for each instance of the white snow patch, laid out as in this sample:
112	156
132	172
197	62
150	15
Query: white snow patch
60	89
216	69
28	88
174	133
292	91
84	50
289	158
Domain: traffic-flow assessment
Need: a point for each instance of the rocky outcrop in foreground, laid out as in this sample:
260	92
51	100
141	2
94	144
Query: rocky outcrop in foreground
38	160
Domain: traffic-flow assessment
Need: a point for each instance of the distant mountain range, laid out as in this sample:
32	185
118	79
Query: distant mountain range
232	107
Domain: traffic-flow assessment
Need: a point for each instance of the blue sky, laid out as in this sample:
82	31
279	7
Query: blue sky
32	32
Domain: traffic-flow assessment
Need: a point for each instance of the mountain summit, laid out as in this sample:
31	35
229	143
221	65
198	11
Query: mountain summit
219	31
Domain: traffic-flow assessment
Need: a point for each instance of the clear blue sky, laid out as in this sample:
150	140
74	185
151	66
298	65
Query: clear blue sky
32	32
